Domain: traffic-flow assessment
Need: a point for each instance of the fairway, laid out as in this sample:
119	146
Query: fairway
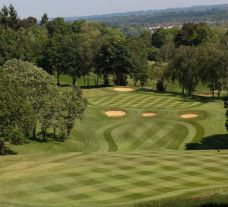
109	179
121	160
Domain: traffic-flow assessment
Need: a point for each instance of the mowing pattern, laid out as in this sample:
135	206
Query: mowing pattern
165	131
137	100
149	135
108	179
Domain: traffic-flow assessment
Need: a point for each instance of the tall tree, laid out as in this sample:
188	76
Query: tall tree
28	22
73	106
44	19
184	68
15	111
162	36
195	34
213	66
9	17
34	80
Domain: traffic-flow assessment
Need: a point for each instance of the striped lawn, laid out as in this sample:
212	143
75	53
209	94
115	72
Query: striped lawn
109	179
120	161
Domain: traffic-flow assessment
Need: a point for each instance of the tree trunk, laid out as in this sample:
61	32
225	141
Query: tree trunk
135	82
106	81
97	81
34	132
58	79
182	90
73	80
213	93
84	80
54	132
88	79
44	133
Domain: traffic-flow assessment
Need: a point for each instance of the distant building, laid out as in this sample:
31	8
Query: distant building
154	27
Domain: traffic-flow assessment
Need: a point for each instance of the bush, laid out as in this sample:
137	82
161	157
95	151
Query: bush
161	87
154	54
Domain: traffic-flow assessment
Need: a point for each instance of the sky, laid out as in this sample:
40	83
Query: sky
69	8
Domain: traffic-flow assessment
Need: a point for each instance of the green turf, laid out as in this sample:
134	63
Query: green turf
120	161
109	179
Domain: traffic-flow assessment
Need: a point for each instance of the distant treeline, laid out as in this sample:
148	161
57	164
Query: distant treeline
215	14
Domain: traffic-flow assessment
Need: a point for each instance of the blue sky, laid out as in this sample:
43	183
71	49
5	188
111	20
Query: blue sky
90	7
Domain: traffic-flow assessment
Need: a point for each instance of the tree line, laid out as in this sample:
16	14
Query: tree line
194	53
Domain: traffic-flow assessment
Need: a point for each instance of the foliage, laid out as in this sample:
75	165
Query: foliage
163	36
9	18
16	116
161	86
213	66
194	34
154	54
184	68
45	100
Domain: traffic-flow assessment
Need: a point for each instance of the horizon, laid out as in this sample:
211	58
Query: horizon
98	7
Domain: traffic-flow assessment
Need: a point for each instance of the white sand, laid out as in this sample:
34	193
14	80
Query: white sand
115	113
123	89
189	116
149	114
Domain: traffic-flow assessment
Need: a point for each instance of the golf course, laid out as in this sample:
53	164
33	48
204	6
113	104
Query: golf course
132	154
96	112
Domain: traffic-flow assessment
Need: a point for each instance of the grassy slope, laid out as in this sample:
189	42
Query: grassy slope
148	164
109	179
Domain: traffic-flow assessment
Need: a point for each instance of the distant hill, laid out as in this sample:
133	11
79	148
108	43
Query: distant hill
215	13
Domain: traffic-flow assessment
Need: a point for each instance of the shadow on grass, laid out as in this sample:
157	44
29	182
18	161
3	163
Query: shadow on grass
87	87
214	205
214	142
7	151
185	97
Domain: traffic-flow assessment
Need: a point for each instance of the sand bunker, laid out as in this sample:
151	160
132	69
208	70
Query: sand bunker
123	89
204	94
115	113
189	116
149	114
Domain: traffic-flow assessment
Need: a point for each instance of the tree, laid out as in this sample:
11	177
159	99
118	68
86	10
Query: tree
9	17
55	54
32	43
57	26
34	80
44	19
184	68
28	22
153	54
163	36
8	45
138	60
15	112
194	34
213	66
73	106
113	57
